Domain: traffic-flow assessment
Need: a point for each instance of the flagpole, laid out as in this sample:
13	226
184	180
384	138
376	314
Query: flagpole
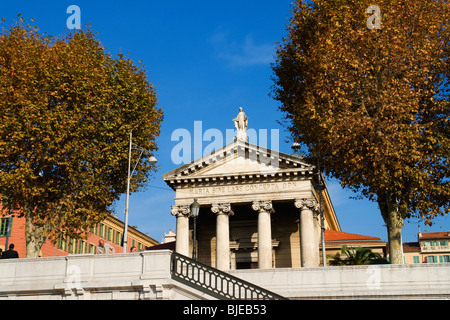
125	229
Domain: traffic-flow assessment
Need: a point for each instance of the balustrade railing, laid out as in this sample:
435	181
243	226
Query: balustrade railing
435	248
215	282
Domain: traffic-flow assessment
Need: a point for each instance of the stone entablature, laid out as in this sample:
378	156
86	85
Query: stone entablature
245	192
239	178
238	162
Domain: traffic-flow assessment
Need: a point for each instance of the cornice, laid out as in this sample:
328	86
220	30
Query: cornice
287	167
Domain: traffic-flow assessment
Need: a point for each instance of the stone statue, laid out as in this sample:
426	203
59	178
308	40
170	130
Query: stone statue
241	123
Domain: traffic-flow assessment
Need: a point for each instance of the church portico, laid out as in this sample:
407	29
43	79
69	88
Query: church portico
262	234
254	212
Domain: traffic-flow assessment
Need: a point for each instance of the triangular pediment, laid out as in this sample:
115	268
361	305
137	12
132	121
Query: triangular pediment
239	159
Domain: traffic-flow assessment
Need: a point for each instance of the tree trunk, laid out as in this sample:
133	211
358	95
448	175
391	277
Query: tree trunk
394	225
35	236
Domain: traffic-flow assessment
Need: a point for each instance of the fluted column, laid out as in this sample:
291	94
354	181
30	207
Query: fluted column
182	212
264	209
309	245
222	211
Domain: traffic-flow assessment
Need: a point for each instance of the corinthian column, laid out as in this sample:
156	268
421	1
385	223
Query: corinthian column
182	212
222	211
309	245
264	209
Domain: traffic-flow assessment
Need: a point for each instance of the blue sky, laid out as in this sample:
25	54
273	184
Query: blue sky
206	59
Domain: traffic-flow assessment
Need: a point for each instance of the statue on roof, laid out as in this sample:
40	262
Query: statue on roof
241	123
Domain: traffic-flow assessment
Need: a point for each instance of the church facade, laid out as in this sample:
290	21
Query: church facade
259	208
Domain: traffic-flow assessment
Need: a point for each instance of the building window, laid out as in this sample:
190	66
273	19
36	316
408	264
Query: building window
431	259
109	234
102	230
118	237
416	259
81	246
94	229
62	243
4	227
71	246
444	259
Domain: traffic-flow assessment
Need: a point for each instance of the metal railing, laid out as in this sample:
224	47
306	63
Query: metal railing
215	282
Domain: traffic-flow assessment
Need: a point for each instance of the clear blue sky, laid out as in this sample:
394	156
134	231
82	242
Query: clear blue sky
206	59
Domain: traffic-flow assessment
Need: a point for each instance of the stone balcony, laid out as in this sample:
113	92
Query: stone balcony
435	249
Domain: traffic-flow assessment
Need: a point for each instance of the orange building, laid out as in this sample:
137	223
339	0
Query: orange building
111	230
431	247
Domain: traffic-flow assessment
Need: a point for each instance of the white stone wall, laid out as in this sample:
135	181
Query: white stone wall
386	282
146	275
143	275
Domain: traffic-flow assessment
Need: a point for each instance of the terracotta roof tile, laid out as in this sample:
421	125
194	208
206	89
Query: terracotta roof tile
411	247
435	235
345	236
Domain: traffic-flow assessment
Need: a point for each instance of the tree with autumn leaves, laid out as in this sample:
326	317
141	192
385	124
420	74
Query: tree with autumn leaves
66	111
372	104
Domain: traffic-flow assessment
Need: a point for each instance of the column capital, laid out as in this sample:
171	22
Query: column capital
307	204
181	210
263	205
221	208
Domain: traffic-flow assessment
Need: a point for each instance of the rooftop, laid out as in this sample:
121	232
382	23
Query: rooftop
411	247
339	236
434	235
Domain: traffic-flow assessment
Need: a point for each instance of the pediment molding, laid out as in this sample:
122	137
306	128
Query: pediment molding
237	162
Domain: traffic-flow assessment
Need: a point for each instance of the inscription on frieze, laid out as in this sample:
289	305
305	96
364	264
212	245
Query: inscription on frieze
242	189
